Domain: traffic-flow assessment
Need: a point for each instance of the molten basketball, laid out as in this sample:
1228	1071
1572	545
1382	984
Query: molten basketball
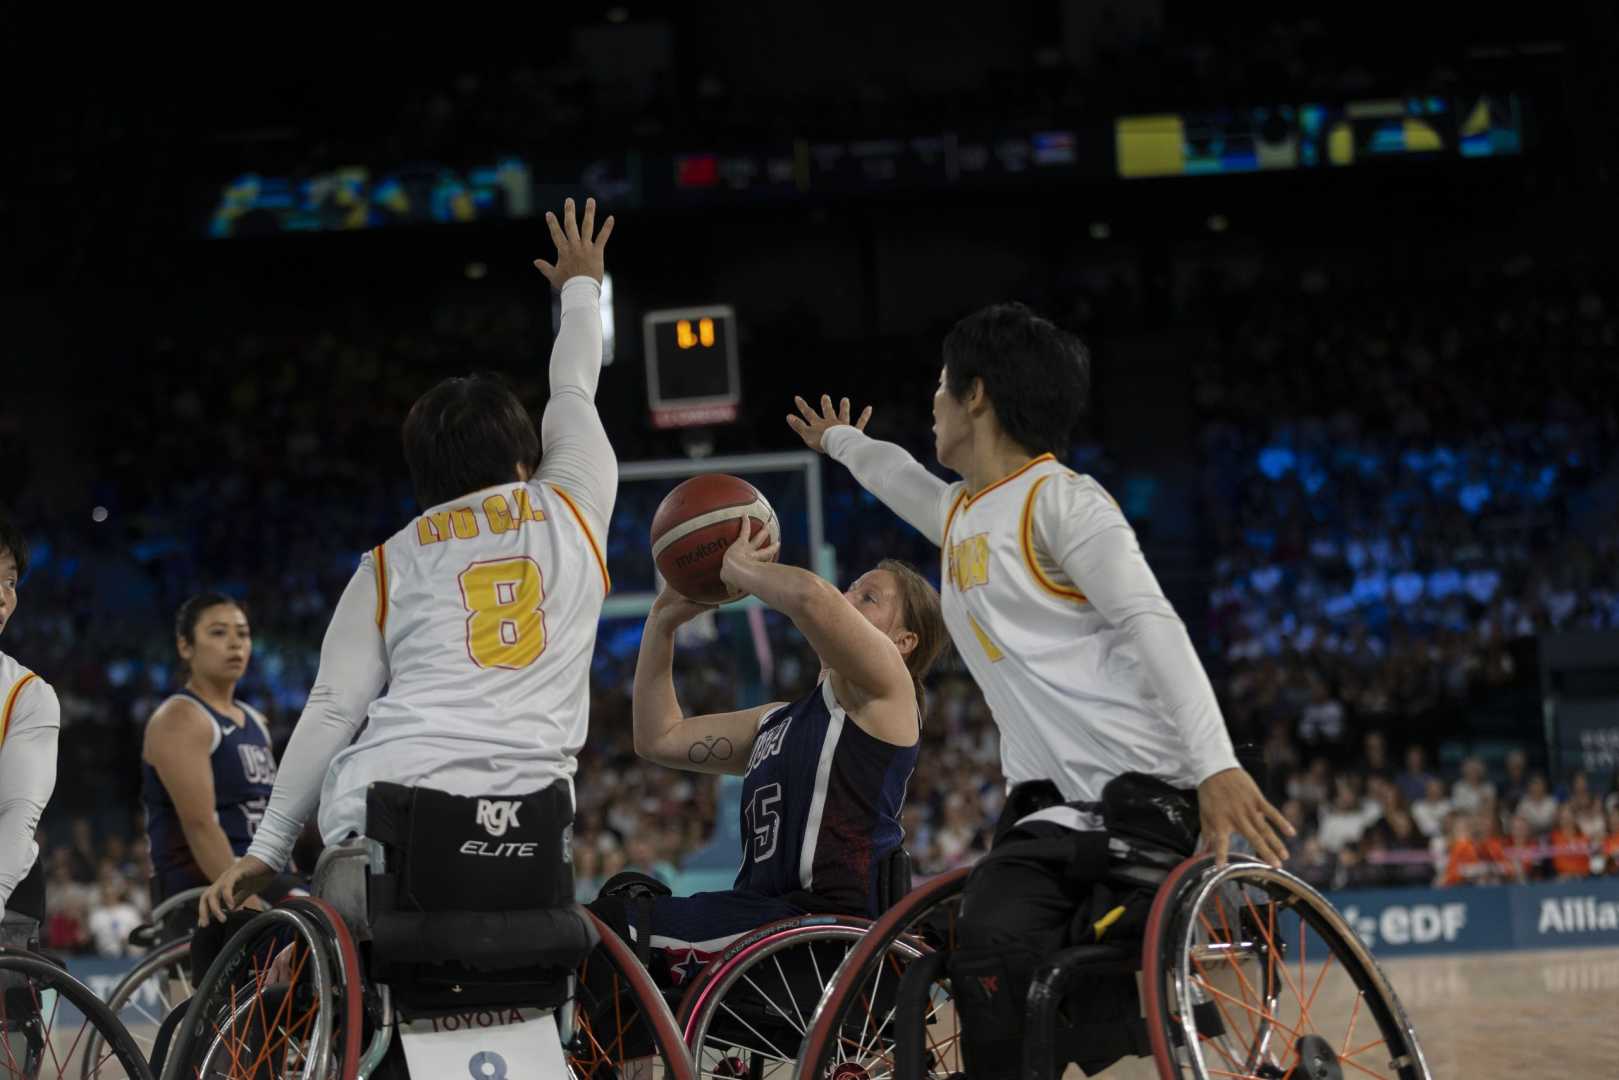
694	525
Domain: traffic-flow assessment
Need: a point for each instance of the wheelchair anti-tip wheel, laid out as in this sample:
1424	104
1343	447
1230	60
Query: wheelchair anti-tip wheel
1251	973
41	1040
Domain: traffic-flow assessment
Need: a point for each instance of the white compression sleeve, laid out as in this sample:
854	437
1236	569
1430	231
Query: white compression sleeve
577	456
1098	551
903	484
27	778
353	671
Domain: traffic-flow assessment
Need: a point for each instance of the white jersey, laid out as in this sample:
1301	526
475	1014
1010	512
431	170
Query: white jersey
30	719
487	607
1085	666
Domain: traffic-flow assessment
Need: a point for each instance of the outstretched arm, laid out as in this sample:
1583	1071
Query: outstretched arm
882	468
577	456
713	743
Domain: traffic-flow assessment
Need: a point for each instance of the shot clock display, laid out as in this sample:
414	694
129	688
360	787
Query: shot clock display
692	373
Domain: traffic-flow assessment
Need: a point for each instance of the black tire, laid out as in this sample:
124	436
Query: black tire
40	975
155	964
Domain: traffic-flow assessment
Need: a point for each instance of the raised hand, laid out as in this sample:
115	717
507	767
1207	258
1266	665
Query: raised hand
745	555
672	609
580	249
813	426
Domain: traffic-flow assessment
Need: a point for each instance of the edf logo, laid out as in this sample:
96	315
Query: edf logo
498	815
1418	924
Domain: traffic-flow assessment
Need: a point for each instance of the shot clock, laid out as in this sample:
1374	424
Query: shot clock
692	373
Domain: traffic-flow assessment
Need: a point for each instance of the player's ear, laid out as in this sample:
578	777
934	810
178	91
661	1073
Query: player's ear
906	640
977	397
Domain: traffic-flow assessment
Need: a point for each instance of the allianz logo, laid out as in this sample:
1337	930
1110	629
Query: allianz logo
1577	915
1408	924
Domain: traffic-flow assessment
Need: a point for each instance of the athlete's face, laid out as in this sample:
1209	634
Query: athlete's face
952	427
8	587
221	645
876	595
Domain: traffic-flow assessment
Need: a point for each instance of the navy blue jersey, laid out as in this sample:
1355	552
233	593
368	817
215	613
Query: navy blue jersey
820	805
244	774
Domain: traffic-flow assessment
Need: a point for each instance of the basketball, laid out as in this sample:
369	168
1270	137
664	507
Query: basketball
694	525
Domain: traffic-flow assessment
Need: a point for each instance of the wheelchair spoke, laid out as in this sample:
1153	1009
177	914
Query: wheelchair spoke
770	1002
803	1025
773	1048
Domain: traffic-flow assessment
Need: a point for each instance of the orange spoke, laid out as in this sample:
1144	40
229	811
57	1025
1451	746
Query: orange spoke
1354	1014
1208	1040
1229	1023
1244	1005
1361	1049
1319	979
1286	977
1230	957
263	1056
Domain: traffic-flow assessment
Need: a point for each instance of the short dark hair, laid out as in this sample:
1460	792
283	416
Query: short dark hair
1037	375
12	540
465	434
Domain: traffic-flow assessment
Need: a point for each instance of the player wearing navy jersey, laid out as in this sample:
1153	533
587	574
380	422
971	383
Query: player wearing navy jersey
207	766
1088	671
30	719
823	777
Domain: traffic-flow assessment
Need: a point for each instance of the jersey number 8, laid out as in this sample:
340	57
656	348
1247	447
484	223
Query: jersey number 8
505	627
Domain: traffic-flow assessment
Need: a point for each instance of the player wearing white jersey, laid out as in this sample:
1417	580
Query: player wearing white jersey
30	718
479	617
1087	669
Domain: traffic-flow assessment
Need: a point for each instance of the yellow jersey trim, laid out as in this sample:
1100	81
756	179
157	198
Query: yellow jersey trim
1040	576
595	548
11	702
1009	477
382	588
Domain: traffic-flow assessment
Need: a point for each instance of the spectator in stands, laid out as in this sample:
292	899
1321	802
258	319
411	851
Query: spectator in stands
1405	850
1322	722
66	930
1374	758
1413	782
1587	810
1610	845
1538	806
113	918
1516	782
1430	811
1571	851
1525	850
1313	787
1474	786
1343	823
1474	859
1314	864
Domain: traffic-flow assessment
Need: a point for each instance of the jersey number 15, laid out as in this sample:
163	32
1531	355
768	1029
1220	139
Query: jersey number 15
505	626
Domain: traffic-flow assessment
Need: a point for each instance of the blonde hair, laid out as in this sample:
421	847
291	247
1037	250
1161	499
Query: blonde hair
921	614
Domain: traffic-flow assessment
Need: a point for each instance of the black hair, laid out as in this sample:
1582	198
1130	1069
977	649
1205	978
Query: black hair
467	433
1036	375
12	540
190	613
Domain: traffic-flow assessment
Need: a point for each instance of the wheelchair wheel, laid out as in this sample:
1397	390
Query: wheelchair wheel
151	990
1249	972
853	1034
271	1006
748	1012
620	1021
39	1036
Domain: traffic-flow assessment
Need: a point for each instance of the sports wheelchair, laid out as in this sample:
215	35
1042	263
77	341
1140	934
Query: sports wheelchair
410	941
1243	972
38	1037
746	1012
